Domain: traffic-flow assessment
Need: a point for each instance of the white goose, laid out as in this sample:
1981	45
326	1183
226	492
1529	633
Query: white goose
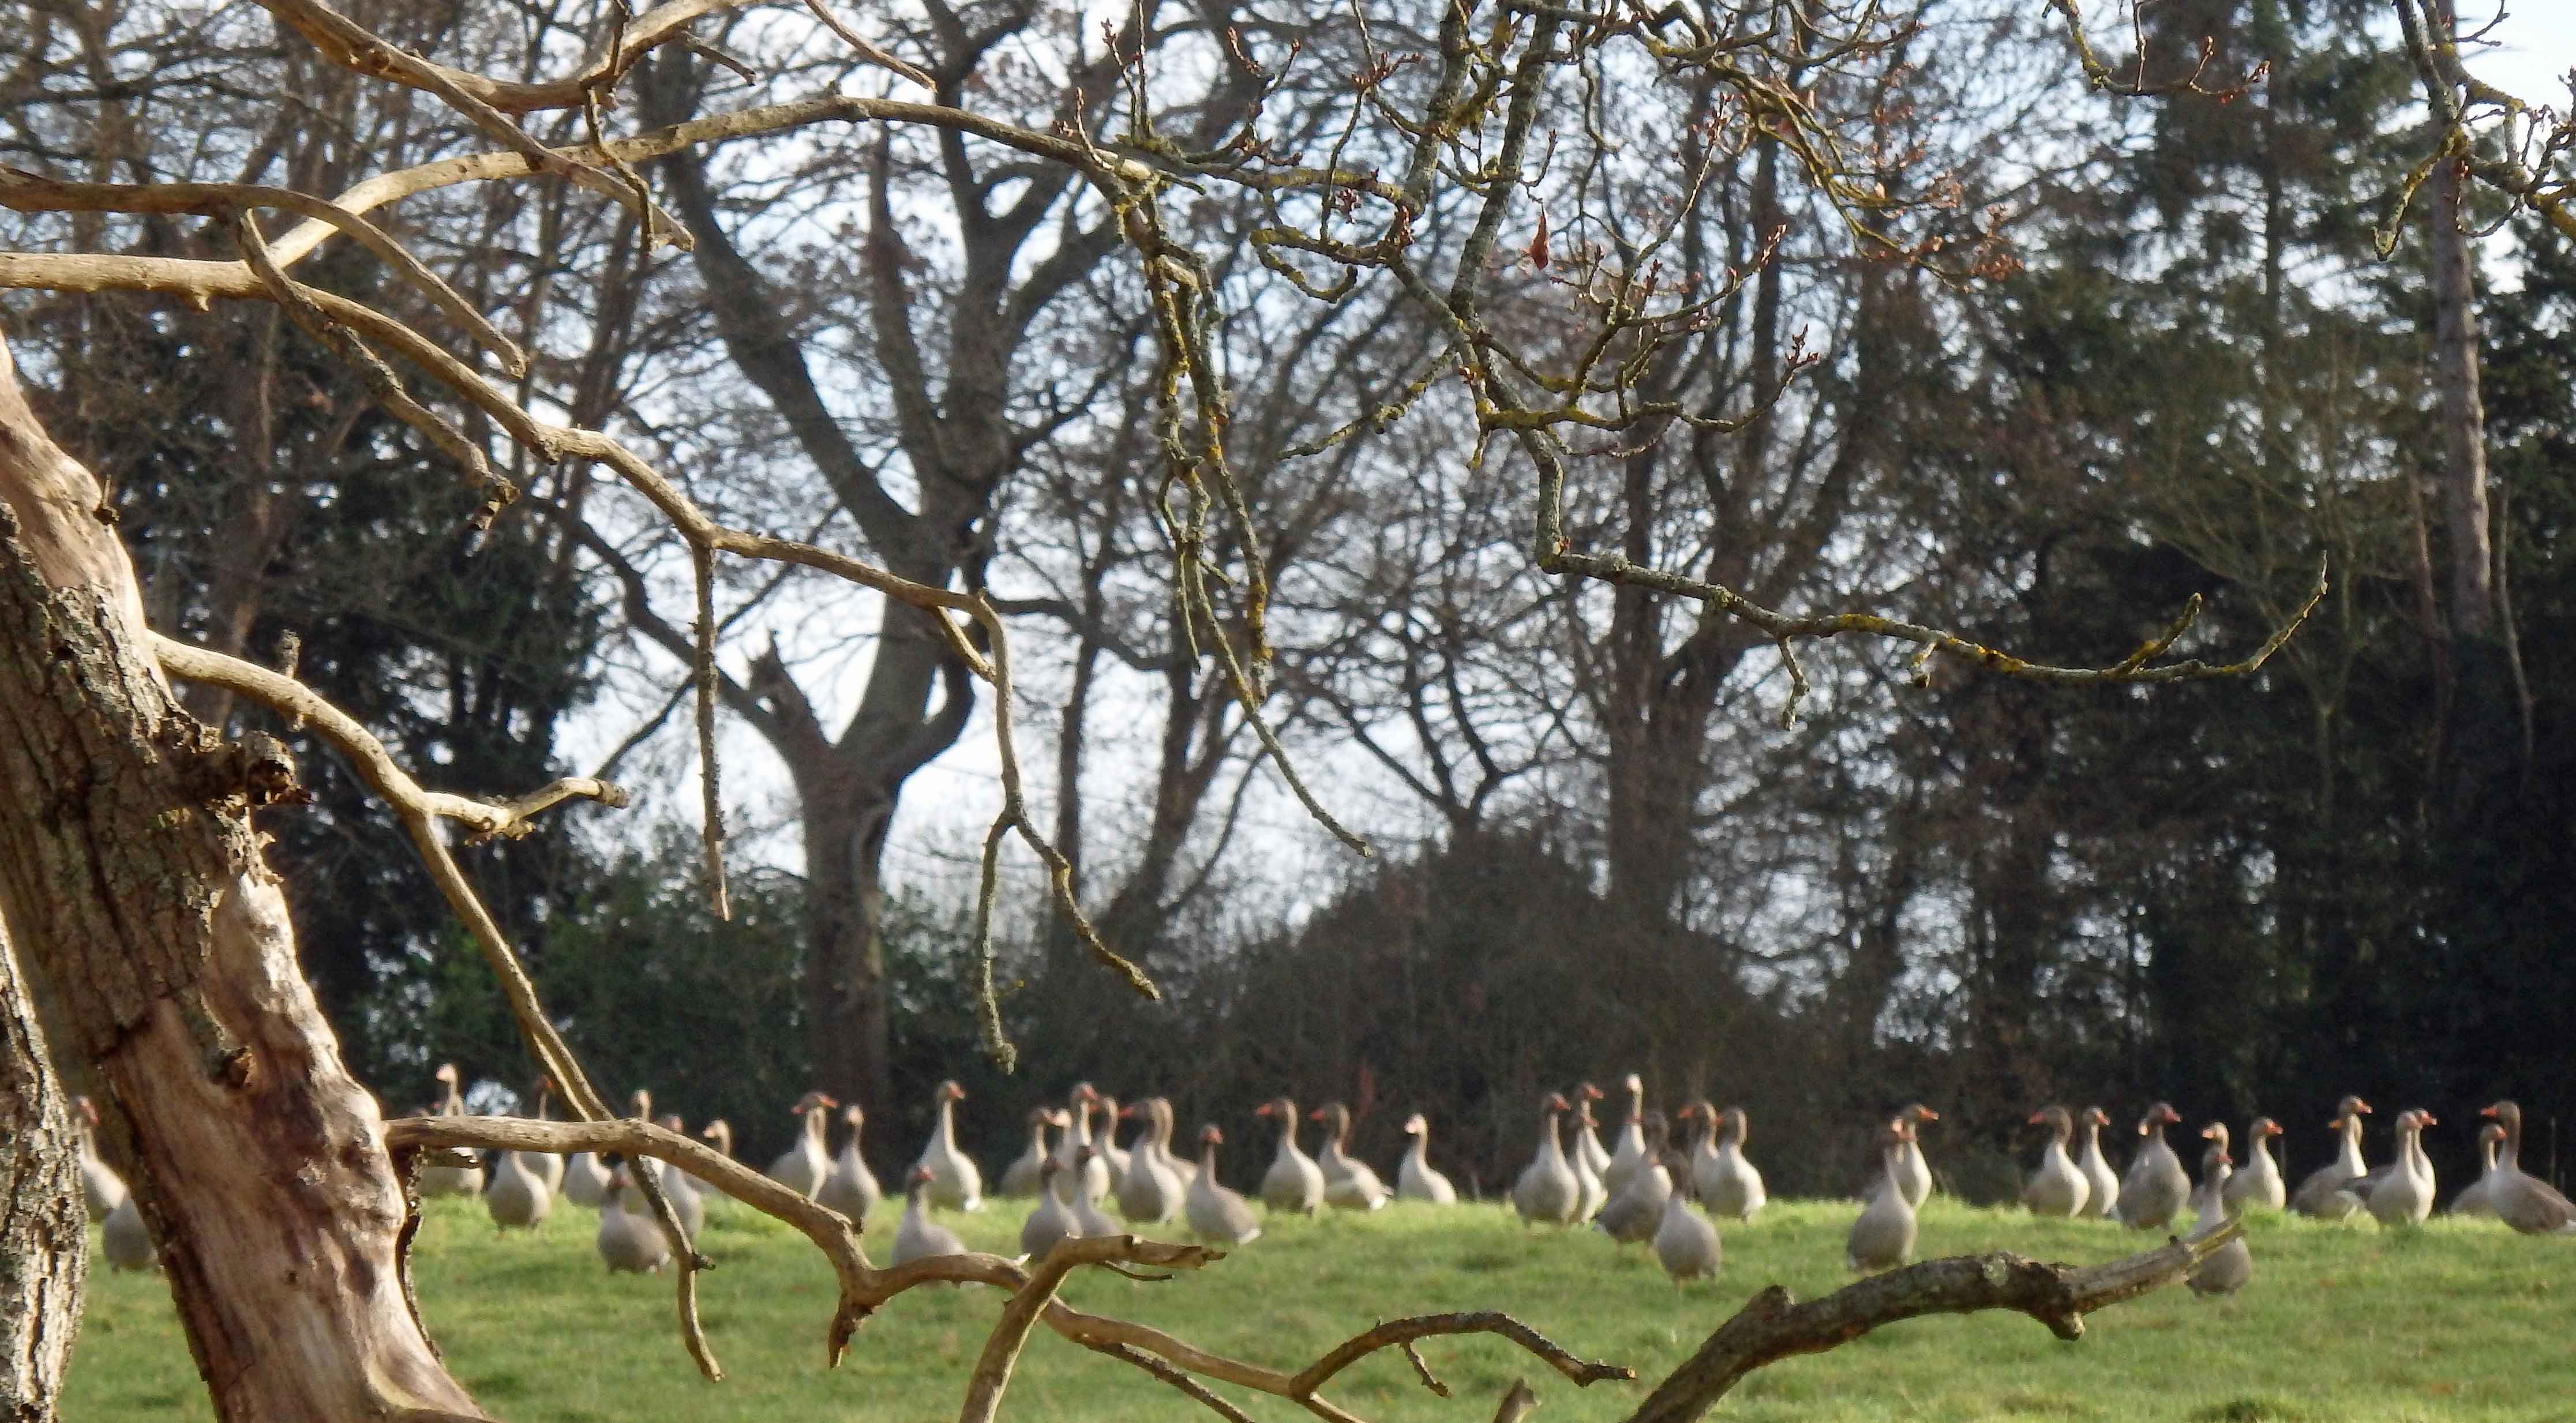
1547	1191
851	1188
802	1168
546	1166
1629	1157
1149	1191
518	1198
451	1180
2057	1188
1294	1182
1349	1183
2405	1195
1089	1182
2102	1183
2259	1184
102	1190
1414	1178
1025	1176
954	1181
919	1237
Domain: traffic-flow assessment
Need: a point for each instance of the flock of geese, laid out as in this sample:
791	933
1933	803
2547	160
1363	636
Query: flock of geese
1640	1191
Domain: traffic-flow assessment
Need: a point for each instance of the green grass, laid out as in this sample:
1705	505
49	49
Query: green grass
2341	1325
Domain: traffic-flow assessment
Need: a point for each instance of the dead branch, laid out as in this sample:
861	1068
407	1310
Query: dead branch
1770	1327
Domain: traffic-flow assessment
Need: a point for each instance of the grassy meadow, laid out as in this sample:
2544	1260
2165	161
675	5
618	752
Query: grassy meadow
2343	1324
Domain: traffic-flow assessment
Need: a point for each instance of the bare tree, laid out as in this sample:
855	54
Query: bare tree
131	870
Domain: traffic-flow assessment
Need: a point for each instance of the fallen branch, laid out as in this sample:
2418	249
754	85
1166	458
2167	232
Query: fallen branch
1770	1327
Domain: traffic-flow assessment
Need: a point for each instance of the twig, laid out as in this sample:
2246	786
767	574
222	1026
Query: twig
1770	1327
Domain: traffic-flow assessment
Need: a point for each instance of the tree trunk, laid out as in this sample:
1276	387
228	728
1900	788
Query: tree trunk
44	1229
134	887
845	992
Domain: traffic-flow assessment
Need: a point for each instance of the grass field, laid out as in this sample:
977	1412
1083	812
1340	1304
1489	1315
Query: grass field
2341	1325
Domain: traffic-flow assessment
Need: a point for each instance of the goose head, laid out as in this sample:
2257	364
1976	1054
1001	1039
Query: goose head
1416	1125
2158	1117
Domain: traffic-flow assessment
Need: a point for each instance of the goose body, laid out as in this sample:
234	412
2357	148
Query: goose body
450	1180
2324	1193
2225	1272
2472	1200
102	1190
954	1181
2058	1187
851	1188
2153	1192
629	1239
1725	1180
2405	1195
1914	1172
585	1181
1089	1182
1087	1214
919	1237
681	1188
804	1167
2102	1184
1025	1175
1632	1216
1214	1212
2525	1202
1051	1220
2259	1184
1685	1243
518	1199
1883	1236
1547	1190
1587	1162
1350	1184
1294	1182
546	1166
1149	1191
1629	1156
124	1238
1414	1178
1113	1157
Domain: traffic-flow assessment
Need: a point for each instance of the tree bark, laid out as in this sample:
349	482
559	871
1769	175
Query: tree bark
44	1228
132	881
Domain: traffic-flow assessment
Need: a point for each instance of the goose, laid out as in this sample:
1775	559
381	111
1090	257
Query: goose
919	1237
1882	1238
804	1167
126	1241
585	1181
2405	1195
1023	1176
2203	1194
1633	1214
1591	1194
1629	1156
1587	1141
851	1188
2156	1186
2322	1194
954	1181
1294	1182
1730	1186
2225	1272
1087	1213
717	1134
681	1187
2102	1193
1547	1190
1214	1212
1914	1173
450	1180
2525	1202
629	1239
2473	1199
1414	1178
2057	1188
2259	1184
1113	1157
1149	1192
1699	1159
546	1166
1685	1242
1091	1182
102	1190
1051	1220
1349	1183
519	1196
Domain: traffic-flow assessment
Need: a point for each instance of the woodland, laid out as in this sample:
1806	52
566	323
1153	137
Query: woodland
1822	551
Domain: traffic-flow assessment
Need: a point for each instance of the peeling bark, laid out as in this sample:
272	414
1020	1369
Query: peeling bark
132	881
44	1229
